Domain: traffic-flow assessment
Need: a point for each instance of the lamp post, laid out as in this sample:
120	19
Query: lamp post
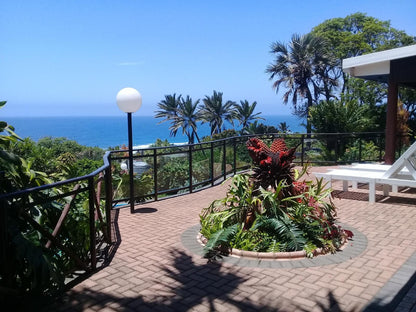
129	101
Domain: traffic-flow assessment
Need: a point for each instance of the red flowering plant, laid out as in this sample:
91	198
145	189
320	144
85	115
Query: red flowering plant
272	165
273	209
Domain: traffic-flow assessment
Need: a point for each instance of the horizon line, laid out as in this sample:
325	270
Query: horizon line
118	115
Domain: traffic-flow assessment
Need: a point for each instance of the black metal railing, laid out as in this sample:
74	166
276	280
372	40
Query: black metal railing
161	172
181	169
67	222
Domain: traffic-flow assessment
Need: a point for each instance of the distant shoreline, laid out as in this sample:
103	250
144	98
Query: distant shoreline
111	131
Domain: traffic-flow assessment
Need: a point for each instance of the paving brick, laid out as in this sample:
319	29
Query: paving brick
153	269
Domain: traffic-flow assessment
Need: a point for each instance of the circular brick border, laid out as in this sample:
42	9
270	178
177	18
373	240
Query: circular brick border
265	255
351	249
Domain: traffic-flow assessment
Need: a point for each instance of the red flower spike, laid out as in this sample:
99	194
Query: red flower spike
278	145
273	164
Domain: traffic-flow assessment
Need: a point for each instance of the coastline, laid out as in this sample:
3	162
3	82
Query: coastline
111	131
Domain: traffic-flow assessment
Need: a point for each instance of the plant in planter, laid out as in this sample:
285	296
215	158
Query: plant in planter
272	209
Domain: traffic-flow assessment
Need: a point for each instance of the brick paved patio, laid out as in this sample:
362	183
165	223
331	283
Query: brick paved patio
152	270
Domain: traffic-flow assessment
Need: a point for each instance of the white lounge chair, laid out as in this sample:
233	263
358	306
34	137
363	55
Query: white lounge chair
401	173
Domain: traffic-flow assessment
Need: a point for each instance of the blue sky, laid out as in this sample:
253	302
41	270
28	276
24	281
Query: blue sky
71	57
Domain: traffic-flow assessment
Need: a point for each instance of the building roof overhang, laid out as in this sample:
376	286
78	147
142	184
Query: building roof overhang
398	64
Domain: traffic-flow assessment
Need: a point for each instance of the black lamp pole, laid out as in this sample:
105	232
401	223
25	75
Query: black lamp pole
129	100
131	162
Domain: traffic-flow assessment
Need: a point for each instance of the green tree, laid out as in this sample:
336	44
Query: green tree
244	113
354	35
283	127
168	109
300	67
260	128
359	34
340	116
183	113
215	112
187	117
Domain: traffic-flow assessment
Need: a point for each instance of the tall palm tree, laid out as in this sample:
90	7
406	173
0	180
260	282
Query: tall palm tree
214	112
187	117
168	109
182	113
283	127
299	67
244	113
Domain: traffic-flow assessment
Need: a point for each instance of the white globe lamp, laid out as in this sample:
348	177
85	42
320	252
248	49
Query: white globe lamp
129	100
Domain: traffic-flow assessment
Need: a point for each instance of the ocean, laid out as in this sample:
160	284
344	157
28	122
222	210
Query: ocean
111	131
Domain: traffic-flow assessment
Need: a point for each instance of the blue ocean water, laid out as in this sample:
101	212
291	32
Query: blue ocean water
111	131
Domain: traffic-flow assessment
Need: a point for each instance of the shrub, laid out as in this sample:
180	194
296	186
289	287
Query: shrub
272	209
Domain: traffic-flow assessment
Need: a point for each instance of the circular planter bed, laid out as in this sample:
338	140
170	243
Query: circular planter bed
269	255
274	208
351	249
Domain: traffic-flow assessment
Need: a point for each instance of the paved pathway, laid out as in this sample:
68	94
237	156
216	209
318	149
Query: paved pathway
153	270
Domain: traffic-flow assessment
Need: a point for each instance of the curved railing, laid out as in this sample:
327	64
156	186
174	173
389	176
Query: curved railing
67	223
173	170
83	243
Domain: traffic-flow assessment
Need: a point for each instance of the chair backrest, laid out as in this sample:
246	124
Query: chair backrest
407	159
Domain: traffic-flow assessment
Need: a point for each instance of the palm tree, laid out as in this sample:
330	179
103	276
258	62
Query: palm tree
182	113
187	118
299	67
214	112
244	113
168	109
283	127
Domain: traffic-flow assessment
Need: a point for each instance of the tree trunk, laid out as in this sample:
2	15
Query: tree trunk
308	120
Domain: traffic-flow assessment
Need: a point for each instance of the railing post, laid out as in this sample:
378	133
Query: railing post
108	198
235	155
400	146
224	159
5	257
155	171
336	148
303	150
380	149
92	222
212	163
190	168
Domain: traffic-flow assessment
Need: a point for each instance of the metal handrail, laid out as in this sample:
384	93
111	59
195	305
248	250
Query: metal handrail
230	145
106	160
226	164
89	182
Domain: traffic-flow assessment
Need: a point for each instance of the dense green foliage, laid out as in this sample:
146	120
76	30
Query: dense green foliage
35	266
60	158
323	83
341	116
359	34
272	210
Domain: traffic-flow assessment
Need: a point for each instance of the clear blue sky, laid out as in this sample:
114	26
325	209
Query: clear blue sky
71	57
